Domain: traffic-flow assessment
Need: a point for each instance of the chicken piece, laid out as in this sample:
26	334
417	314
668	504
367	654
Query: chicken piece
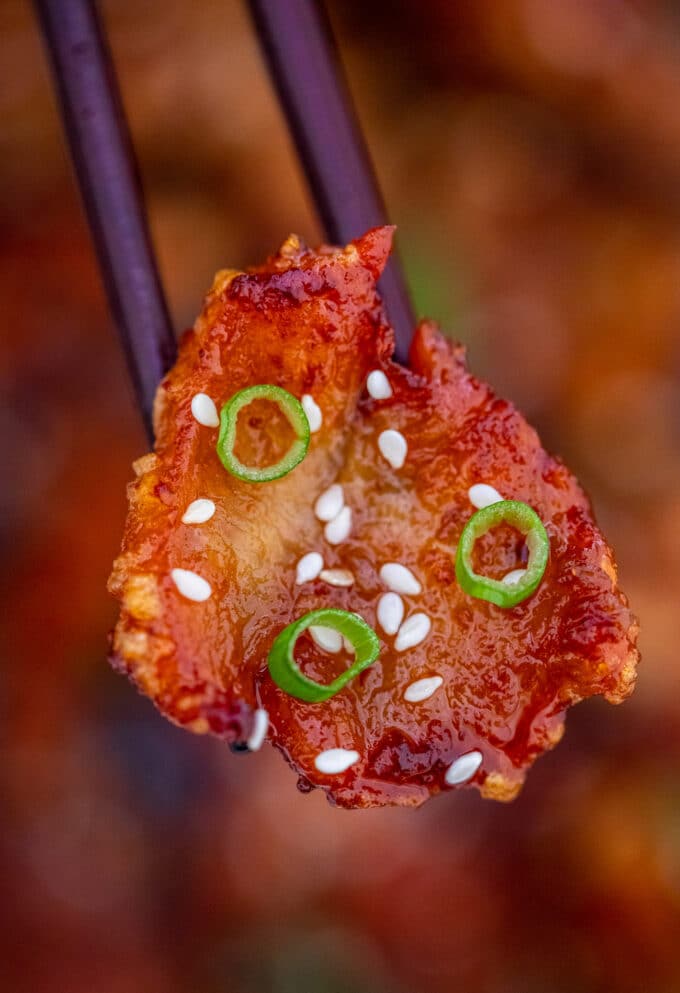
463	692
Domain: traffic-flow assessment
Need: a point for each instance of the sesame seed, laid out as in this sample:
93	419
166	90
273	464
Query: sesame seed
198	512
259	732
464	768
337	577
422	689
393	447
308	568
378	385
204	410
514	576
313	412
190	585
482	495
414	630
335	760
339	528
400	579
327	638
330	503
390	612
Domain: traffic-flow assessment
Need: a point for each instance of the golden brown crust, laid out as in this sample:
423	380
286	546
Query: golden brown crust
312	323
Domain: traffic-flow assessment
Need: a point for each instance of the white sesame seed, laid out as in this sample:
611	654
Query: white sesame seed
422	689
190	585
339	528
198	512
482	495
414	630
327	638
390	612
400	579
514	576
393	447
259	732
313	412
308	568
464	768
335	760
378	385
204	410
337	577
330	503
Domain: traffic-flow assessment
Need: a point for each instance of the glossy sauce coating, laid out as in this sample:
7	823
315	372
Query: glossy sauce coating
312	323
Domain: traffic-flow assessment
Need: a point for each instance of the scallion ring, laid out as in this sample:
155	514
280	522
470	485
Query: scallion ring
285	671
293	410
520	516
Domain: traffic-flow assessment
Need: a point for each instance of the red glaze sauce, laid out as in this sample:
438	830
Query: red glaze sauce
312	323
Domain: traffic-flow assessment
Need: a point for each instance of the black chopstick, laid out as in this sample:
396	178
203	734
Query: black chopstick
109	183
303	60
305	65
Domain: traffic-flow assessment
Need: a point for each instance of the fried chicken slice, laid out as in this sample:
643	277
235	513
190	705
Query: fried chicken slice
196	641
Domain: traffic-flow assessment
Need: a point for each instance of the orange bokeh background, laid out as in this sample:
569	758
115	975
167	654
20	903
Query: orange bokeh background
529	151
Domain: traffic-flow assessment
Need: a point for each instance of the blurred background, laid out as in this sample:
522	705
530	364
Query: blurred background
529	151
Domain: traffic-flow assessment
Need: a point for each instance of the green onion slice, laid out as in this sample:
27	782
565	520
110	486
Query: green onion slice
293	410
518	515
285	671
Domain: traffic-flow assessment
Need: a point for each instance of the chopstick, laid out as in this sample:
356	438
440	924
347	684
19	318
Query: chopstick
107	175
304	63
303	60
